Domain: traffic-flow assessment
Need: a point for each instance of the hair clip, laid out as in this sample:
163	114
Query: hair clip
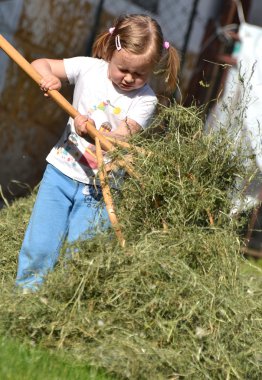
118	44
166	45
111	30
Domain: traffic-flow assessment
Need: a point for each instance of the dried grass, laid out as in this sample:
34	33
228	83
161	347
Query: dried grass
173	303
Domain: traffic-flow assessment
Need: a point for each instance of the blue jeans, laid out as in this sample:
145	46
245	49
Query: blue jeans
64	209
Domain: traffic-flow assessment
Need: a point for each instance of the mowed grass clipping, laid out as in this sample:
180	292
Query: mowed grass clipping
174	302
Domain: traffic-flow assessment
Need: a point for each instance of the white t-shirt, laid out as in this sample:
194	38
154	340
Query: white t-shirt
96	96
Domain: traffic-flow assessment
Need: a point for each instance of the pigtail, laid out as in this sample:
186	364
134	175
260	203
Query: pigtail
100	46
164	79
172	68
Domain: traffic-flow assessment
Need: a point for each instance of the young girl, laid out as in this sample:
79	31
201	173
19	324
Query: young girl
111	91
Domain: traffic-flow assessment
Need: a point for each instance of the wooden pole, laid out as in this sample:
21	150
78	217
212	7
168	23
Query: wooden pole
61	101
55	95
107	193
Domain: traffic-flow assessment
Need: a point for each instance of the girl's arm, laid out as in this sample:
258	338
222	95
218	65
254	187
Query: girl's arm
125	130
52	72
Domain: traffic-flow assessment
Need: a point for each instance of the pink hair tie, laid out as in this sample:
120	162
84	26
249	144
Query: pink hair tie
111	30
166	45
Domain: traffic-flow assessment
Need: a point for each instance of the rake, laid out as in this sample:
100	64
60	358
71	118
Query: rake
101	142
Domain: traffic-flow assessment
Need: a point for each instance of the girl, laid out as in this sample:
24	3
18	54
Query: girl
112	91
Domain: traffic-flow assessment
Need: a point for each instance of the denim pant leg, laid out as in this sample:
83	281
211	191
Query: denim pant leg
47	228
88	216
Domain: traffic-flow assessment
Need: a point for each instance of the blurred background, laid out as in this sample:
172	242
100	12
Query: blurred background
204	32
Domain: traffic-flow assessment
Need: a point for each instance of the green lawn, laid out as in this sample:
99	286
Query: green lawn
19	362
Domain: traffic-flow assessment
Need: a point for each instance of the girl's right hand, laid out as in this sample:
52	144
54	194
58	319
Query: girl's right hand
52	72
50	82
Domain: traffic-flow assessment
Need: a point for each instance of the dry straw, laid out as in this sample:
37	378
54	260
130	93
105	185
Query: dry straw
173	303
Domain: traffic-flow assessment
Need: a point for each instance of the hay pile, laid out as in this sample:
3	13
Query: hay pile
173	303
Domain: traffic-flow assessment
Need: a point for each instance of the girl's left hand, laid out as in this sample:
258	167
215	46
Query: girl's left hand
80	124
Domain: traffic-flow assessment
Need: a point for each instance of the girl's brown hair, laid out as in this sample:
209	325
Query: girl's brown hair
141	34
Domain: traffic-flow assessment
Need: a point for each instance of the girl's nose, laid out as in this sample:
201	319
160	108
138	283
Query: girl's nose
129	78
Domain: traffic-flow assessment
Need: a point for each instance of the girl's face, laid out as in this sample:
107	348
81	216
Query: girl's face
129	71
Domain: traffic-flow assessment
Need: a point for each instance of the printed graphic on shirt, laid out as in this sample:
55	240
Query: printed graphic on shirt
75	149
107	105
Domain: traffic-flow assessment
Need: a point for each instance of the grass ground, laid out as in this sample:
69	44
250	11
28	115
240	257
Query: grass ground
20	362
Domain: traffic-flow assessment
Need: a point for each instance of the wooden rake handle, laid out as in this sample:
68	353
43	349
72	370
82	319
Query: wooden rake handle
55	95
62	102
107	194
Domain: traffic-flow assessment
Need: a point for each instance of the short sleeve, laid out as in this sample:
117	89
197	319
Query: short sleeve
143	109
73	67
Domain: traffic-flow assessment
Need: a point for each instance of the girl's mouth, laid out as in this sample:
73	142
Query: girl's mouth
125	86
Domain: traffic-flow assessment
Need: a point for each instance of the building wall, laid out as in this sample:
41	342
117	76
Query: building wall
255	13
30	124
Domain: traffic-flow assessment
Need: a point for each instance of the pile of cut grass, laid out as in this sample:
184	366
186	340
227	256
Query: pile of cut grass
173	303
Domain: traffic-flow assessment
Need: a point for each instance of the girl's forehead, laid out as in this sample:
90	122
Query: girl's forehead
131	60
